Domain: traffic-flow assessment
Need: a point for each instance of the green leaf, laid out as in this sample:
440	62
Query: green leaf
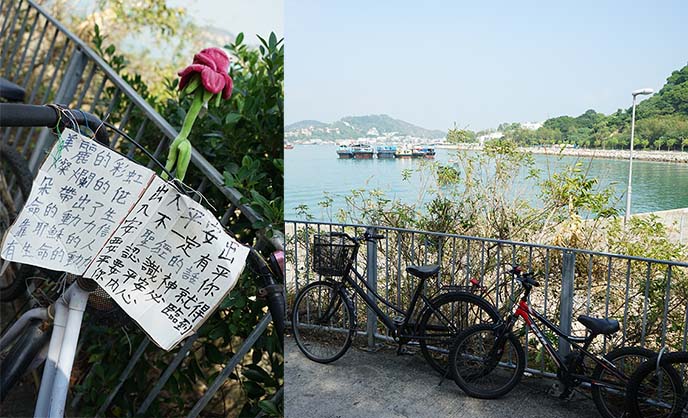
257	374
269	408
233	118
213	354
239	38
216	333
253	389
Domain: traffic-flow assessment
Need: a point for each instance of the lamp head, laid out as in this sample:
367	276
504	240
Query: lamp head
642	91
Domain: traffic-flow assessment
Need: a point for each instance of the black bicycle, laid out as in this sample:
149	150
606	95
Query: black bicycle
324	319
649	396
488	360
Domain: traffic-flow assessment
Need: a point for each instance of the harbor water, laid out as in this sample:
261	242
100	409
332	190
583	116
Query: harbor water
313	170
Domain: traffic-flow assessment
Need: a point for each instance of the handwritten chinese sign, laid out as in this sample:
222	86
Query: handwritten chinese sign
169	263
81	193
160	255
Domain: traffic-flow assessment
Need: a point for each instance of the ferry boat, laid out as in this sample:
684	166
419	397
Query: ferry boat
386	151
362	151
344	152
404	152
424	152
429	152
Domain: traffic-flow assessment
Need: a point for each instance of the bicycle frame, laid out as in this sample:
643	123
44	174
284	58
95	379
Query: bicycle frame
69	312
531	317
347	280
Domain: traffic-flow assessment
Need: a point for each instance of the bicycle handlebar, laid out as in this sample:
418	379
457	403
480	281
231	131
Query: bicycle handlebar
28	115
526	278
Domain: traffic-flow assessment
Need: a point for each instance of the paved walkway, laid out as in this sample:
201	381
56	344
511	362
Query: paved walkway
383	385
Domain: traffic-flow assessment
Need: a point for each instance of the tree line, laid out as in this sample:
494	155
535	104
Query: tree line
661	124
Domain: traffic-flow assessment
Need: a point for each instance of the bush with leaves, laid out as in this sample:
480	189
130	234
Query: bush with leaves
481	196
242	139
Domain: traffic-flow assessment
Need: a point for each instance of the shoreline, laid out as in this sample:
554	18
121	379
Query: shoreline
643	155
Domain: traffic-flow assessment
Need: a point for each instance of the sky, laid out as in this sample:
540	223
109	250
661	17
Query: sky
477	64
254	17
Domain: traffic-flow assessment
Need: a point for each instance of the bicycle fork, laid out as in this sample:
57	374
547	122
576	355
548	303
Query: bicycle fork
69	312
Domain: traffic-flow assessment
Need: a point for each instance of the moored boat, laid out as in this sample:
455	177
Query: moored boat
428	152
344	152
386	151
424	152
362	151
404	152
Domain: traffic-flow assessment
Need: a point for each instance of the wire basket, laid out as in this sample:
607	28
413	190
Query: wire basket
331	255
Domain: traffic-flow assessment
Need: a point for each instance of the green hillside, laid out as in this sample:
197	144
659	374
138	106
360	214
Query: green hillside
359	126
304	124
661	123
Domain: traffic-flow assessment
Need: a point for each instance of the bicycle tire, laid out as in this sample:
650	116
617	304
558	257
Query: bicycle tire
638	388
21	355
19	167
15	274
442	307
469	345
313	339
610	403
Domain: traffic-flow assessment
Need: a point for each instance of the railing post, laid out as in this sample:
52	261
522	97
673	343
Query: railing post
64	95
568	270
371	256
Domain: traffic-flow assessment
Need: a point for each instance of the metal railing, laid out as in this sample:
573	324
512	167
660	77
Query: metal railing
54	66
649	297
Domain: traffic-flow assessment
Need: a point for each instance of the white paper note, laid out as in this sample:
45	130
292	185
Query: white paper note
164	258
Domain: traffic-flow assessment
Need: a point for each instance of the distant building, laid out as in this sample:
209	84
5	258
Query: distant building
488	137
531	126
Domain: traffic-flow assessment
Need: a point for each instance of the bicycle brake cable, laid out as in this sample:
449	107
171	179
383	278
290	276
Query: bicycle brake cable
659	358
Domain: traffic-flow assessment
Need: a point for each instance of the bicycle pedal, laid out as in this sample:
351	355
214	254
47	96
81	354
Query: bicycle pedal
560	392
567	396
401	351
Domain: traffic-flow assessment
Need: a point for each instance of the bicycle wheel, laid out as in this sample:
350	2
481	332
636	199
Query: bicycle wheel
441	322
609	393
483	370
657	392
323	321
19	358
14	166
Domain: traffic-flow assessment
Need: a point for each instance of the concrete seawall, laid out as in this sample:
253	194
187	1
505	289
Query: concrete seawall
657	156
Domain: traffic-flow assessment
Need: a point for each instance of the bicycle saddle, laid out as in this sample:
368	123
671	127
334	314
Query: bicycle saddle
599	325
423	272
10	91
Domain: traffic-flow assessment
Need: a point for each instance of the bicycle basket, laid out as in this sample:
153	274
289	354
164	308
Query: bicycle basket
331	255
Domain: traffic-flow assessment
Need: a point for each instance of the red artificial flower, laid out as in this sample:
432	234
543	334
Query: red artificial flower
212	64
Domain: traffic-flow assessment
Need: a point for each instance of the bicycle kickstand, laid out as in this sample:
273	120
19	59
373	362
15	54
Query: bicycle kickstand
444	376
562	391
401	351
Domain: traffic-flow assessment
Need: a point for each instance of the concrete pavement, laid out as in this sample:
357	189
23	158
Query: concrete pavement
383	385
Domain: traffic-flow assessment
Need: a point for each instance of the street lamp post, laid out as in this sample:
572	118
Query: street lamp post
627	215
